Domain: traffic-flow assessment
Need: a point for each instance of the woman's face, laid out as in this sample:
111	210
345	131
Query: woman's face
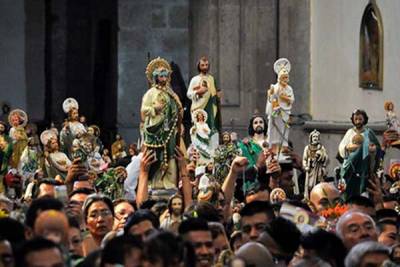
99	220
75	241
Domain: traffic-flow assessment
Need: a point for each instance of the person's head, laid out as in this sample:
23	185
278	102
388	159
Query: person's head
197	232
73	114
283	77
13	231
236	240
324	195
386	214
165	249
203	65
255	254
367	254
254	218
75	237
3	127
6	253
395	255
52	225
257	125
52	145
39	205
362	204
161	75
142	222
220	240
6	205
122	210
387	232
77	198
314	137
355	227
175	205
125	250
98	213
204	210
40	252
47	187
359	118
282	238
325	245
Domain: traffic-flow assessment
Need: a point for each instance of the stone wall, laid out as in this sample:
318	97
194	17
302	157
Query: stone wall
147	29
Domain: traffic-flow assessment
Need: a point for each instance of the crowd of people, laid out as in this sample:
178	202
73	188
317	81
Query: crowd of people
213	200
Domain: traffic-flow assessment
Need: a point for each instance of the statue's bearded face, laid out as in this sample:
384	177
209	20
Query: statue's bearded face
2	128
54	144
226	138
74	114
284	79
176	206
258	125
204	66
315	139
358	121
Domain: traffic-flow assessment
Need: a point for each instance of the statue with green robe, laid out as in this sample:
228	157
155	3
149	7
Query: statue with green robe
161	113
361	152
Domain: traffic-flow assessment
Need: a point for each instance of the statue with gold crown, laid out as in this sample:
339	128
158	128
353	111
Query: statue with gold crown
204	95
161	113
280	100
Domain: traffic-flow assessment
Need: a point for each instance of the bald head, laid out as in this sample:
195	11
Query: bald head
255	254
324	195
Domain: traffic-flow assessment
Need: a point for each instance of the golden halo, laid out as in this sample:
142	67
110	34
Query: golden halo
155	64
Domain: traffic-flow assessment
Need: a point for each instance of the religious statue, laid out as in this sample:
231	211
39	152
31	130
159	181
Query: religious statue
56	162
203	139
73	128
16	118
393	124
315	159
5	154
204	95
279	104
252	146
162	114
94	160
30	160
223	157
106	156
19	144
174	214
361	152
118	148
94	130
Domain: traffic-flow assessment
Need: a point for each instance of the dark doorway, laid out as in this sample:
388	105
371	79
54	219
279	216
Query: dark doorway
81	61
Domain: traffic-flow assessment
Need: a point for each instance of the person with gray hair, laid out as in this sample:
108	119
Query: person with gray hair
367	253
355	227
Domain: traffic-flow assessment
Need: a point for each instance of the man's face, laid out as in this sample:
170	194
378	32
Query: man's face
253	226
373	259
144	228
203	247
258	125
358	228
315	139
75	241
122	211
220	244
176	205
46	190
204	66
358	120
6	254
50	257
388	237
76	202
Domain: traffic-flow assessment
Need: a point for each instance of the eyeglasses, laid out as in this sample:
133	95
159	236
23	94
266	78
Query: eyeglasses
97	214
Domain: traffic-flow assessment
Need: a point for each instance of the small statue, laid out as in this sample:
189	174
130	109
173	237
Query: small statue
279	104
118	148
94	160
94	130
30	160
224	155
106	156
315	159
392	123
174	215
361	152
56	162
203	140
252	146
19	145
5	154
73	128
16	118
